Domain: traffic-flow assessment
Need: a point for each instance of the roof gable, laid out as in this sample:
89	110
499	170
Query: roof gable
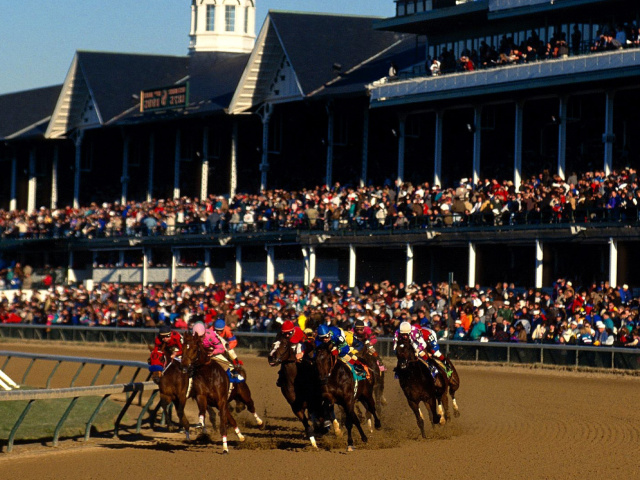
27	113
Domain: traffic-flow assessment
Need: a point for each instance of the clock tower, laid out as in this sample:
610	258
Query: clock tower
225	26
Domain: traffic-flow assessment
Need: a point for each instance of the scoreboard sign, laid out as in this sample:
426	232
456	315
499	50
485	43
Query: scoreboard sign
166	98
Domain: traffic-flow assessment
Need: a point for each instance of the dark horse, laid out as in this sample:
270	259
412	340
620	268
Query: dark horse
339	387
298	383
210	384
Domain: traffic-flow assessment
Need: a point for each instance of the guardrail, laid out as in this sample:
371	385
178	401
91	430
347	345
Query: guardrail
523	353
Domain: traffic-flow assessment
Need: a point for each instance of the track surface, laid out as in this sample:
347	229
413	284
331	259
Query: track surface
514	423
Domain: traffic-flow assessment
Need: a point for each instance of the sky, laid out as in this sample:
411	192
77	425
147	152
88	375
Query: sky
40	37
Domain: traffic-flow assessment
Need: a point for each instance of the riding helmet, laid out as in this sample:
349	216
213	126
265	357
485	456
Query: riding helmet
323	331
359	324
219	324
287	326
198	329
164	330
405	327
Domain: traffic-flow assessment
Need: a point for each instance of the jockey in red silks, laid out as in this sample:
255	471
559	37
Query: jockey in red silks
216	350
228	340
166	339
296	336
366	336
433	349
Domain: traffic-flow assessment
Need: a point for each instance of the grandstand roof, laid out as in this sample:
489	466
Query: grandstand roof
26	114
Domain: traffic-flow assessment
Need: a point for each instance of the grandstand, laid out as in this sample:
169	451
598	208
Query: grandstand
443	91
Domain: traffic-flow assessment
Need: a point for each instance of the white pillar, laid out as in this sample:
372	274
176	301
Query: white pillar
204	175
54	177
330	133
352	266
121	258
176	166
477	143
471	281
312	263
194	18
145	267
13	202
233	181
33	181
264	165
562	137
539	262
307	266
238	264
208	273
271	268
125	169
365	147
437	156
402	127
71	274
152	155
613	262
517	154
76	171
175	259
409	274
609	137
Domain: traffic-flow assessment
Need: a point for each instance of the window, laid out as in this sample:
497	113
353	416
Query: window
211	18
246	19
229	18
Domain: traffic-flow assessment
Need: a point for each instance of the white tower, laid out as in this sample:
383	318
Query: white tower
222	26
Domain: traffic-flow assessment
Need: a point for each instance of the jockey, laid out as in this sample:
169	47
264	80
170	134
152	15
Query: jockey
228	340
341	347
366	337
433	349
413	335
296	337
216	350
166	339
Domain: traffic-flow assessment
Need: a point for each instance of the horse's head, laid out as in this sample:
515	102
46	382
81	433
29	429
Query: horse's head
281	351
404	352
191	345
325	361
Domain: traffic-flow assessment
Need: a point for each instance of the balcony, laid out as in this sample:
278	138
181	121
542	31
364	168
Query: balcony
547	73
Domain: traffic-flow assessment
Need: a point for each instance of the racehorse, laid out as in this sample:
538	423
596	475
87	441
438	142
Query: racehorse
210	385
419	385
298	383
378	373
339	387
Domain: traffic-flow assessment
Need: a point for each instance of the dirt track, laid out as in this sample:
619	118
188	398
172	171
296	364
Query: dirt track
515	423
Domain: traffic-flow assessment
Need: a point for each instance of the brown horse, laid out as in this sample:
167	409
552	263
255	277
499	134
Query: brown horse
210	385
298	383
339	387
418	385
378	373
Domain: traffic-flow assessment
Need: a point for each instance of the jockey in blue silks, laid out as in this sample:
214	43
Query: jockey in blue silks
341	347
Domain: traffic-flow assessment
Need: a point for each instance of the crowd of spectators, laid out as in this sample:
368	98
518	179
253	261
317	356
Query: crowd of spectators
542	198
597	314
533	49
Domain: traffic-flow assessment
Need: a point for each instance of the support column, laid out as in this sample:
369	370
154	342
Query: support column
539	262
562	137
609	137
312	263
233	186
71	274
121	258
613	262
145	267
152	155
204	175
402	127
271	268
471	281
33	181
437	156
13	202
477	143
238	264
352	266
176	166
267	109
330	133
517	154
365	147
409	274
76	171
125	169
175	259
208	273
54	177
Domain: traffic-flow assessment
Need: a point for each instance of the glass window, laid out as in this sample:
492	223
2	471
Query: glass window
211	18
246	19
230	18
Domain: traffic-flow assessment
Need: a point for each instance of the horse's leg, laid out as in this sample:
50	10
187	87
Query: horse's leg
181	416
203	406
243	391
212	416
299	412
234	424
433	406
223	408
370	404
349	409
415	407
445	404
453	388
348	423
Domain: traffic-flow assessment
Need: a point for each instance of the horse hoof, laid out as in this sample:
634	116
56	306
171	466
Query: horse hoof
225	451
241	437
378	425
443	420
351	448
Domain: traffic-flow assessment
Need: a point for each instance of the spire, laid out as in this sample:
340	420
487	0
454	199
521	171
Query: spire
222	26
